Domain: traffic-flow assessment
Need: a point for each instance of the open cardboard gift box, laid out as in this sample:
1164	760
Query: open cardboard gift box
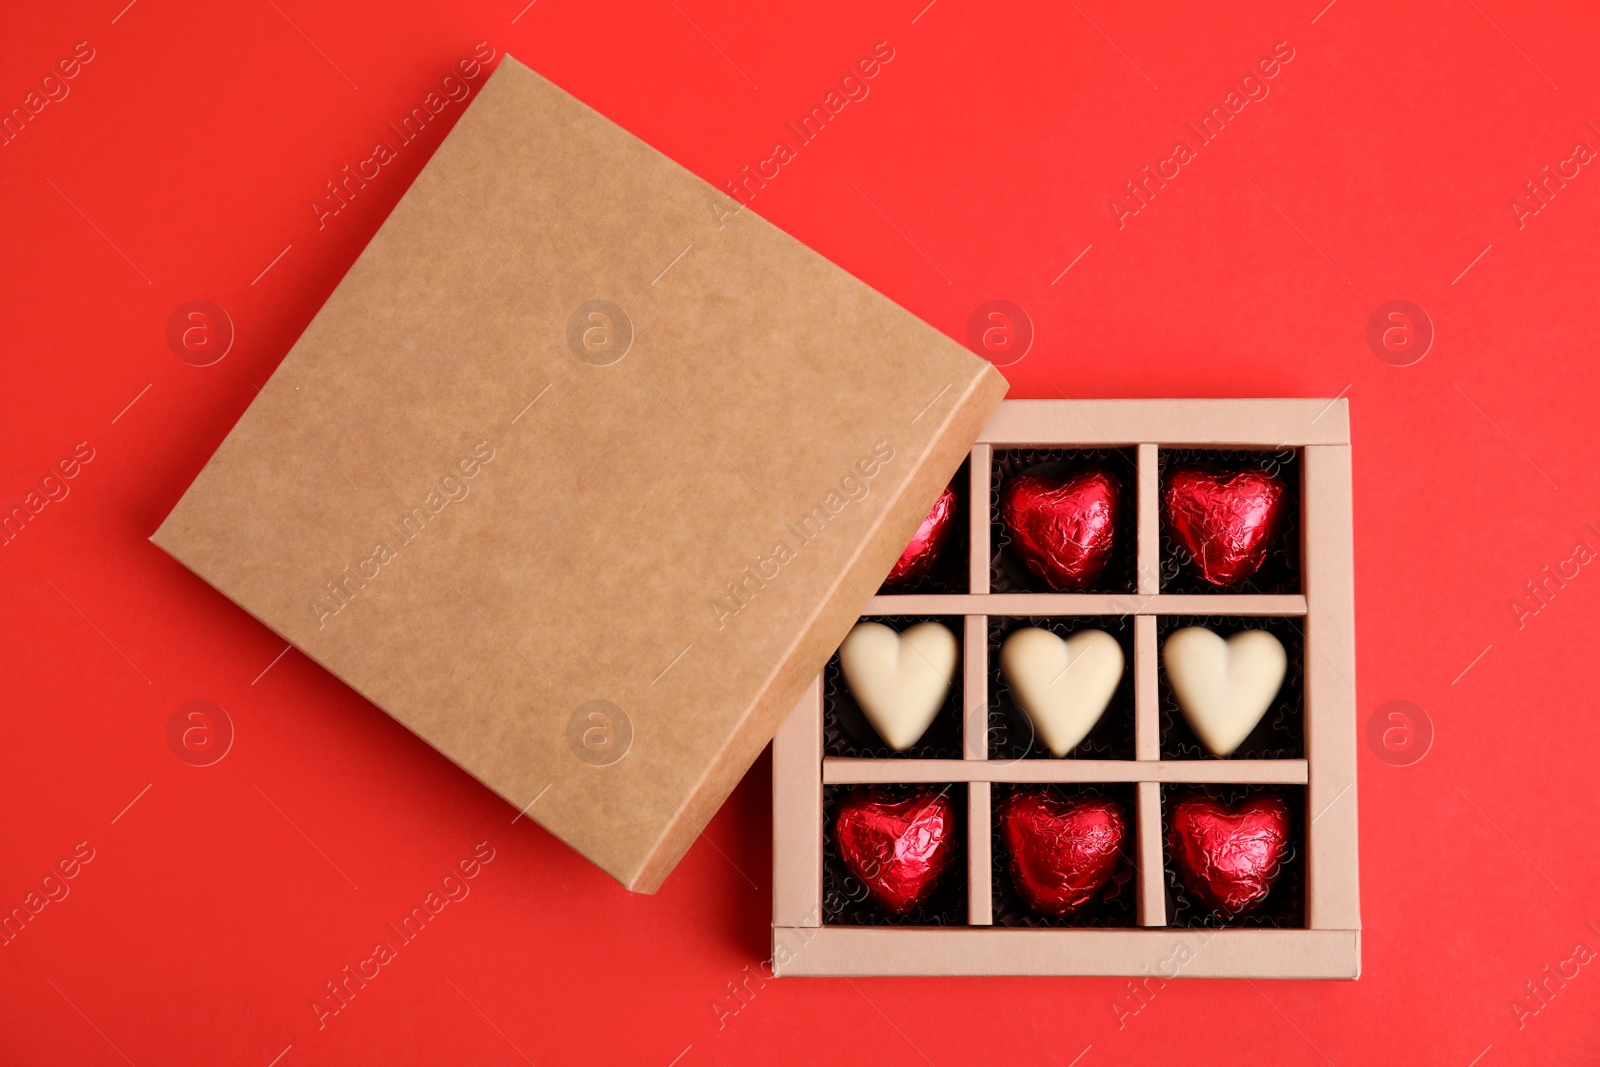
583	472
1140	753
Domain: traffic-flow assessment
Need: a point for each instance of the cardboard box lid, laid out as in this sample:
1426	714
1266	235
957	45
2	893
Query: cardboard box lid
582	473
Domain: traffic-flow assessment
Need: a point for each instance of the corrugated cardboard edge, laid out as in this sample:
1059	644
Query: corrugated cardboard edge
815	642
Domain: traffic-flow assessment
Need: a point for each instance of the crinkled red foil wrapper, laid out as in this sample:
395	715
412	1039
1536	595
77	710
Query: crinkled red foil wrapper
1062	851
1229	856
930	539
1062	529
898	848
1228	522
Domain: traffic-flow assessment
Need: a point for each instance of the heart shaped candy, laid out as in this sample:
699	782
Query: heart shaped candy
1227	522
896	848
1063	686
1062	529
1224	687
1229	855
1062	851
900	680
926	544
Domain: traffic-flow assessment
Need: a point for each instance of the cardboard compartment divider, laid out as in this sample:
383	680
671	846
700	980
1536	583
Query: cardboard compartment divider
980	885
842	770
1146	710
1148	497
1070	604
975	688
980	473
1152	865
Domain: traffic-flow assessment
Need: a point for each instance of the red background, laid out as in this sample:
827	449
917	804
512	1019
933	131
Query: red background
1381	166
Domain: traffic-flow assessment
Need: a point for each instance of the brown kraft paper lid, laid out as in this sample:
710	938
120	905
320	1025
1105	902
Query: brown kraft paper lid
582	472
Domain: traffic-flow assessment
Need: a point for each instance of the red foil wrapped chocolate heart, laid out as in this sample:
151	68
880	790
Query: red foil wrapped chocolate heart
1062	851
1229	522
897	847
1062	529
1229	855
928	542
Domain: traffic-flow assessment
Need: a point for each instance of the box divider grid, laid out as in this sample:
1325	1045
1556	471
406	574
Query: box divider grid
1148	498
843	770
1146	710
1152	868
1074	604
979	863
975	687
979	471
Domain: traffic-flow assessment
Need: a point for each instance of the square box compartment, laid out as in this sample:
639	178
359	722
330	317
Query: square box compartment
1011	734
844	897
1282	571
1115	905
847	731
1306	751
1007	574
949	572
1285	907
1281	732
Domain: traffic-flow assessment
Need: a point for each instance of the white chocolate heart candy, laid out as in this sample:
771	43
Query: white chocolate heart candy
1064	686
900	680
1224	687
